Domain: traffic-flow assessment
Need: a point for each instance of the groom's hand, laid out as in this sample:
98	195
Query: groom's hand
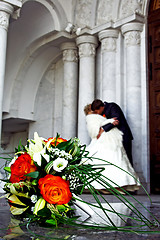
100	132
116	122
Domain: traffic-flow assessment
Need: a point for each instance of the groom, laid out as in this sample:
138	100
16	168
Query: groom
112	110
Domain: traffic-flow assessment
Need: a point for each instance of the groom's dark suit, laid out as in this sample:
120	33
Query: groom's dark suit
112	110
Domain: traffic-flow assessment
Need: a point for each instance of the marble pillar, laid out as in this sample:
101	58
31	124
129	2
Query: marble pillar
108	40
87	49
132	37
5	11
70	85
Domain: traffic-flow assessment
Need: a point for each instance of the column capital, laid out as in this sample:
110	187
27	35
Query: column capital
134	26
15	3
108	39
68	45
11	7
69	52
132	33
6	7
5	11
108	33
87	39
87	45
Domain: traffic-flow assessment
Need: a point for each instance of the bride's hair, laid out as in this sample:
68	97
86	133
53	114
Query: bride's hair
87	109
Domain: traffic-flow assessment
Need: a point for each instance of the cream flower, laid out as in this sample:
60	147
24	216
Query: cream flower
37	157
59	164
36	149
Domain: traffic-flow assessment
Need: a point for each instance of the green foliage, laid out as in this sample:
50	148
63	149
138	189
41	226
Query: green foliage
33	174
7	169
44	213
20	148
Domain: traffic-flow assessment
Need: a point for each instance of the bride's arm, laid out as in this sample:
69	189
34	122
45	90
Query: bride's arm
106	121
93	125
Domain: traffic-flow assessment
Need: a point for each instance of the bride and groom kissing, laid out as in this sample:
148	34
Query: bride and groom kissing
111	140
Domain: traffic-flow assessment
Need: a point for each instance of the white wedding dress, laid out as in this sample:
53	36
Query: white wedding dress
110	148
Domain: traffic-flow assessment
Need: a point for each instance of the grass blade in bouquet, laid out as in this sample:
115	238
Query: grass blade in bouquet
93	174
46	177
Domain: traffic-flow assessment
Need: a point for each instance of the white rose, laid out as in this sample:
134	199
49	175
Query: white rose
59	164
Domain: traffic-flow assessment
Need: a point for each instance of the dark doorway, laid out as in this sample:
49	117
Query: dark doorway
154	92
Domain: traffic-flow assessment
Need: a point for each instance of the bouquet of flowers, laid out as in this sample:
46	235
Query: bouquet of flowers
45	178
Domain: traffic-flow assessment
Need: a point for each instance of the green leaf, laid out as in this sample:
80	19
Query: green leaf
48	167
33	174
51	222
62	145
45	212
34	182
61	208
7	169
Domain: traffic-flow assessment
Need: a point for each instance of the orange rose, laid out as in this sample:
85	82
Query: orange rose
59	140
55	190
22	166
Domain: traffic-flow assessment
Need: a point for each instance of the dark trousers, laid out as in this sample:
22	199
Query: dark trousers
128	147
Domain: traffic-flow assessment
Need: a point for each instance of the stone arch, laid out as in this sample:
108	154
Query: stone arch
26	56
39	55
31	79
145	7
56	10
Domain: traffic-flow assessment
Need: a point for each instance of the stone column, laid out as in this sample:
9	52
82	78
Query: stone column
69	119
5	10
108	39
87	46
132	36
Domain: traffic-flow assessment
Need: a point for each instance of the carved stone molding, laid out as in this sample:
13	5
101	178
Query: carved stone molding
69	52
87	50
132	33
4	20
108	39
133	38
87	45
70	55
109	45
5	11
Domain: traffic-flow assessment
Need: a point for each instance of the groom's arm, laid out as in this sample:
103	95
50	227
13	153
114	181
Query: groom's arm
115	113
108	127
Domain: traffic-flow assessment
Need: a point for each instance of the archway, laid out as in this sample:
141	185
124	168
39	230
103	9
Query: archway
154	92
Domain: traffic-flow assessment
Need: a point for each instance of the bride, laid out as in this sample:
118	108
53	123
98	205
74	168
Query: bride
109	147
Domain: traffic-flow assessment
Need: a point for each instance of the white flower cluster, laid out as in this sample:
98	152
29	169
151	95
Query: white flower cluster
74	181
60	153
34	198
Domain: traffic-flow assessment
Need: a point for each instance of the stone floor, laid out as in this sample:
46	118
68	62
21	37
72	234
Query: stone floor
10	228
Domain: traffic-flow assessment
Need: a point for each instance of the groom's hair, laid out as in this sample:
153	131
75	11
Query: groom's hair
96	104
